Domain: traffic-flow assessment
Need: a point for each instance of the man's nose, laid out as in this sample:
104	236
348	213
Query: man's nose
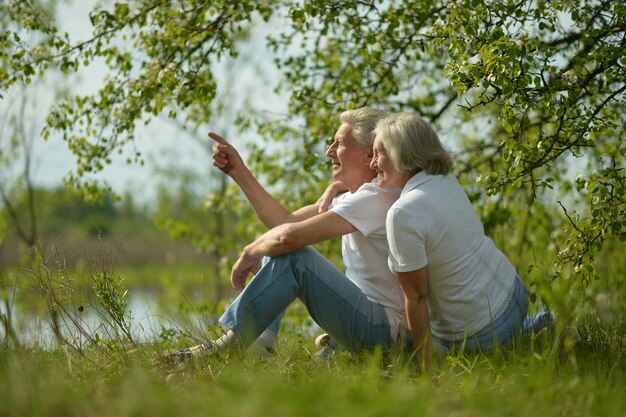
330	152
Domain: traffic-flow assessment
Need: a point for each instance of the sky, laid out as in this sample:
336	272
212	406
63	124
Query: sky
161	143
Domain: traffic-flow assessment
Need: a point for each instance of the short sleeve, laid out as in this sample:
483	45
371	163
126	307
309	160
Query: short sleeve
366	209
407	250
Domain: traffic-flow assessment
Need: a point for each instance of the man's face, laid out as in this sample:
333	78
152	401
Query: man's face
348	158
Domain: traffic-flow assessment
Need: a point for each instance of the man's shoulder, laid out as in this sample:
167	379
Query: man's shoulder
366	208
370	191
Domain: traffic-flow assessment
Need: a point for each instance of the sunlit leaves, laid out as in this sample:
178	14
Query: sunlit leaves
533	92
27	40
546	77
160	59
605	193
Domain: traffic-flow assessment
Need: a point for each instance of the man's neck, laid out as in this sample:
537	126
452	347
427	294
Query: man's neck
356	184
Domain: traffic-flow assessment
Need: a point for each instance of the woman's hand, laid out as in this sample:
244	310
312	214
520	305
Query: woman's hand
332	191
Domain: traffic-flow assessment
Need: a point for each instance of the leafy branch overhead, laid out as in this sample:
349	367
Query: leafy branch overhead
529	94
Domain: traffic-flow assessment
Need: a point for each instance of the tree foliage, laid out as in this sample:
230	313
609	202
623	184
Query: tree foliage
529	94
534	90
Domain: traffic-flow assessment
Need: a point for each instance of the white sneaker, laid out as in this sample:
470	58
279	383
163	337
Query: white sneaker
176	357
328	346
263	347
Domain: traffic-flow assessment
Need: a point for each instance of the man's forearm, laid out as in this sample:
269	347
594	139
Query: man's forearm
289	237
271	243
266	207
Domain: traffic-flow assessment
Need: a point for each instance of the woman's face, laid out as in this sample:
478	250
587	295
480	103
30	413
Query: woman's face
387	174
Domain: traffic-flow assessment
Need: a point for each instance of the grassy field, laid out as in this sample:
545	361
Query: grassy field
575	369
579	374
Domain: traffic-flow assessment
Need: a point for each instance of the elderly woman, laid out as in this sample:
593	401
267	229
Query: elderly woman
459	288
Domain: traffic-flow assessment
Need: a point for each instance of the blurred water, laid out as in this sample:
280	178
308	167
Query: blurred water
147	323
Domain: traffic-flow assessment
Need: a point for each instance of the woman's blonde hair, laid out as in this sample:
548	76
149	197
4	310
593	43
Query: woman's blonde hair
412	145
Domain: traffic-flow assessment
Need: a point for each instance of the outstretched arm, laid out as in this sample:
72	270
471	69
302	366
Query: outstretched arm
266	207
287	238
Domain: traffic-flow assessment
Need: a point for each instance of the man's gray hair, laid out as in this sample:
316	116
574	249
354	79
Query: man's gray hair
363	122
412	145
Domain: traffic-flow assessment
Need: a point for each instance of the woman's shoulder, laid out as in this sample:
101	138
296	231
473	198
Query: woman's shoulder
408	206
421	199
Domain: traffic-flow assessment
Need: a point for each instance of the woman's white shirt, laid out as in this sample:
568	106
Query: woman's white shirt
434	225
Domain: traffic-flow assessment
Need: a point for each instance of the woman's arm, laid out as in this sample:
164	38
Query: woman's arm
332	191
415	287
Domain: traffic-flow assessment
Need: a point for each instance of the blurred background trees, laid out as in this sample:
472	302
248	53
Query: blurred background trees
529	96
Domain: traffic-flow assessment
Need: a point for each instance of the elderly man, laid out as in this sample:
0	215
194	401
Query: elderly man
362	308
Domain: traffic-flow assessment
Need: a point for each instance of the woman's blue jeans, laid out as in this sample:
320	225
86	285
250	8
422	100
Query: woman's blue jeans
510	324
335	303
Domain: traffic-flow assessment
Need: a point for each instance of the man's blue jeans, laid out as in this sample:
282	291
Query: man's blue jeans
335	303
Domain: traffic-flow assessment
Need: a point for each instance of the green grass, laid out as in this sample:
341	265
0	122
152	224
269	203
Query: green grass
573	372
576	369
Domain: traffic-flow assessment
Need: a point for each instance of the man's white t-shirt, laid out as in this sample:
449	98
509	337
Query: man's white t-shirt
365	251
434	225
